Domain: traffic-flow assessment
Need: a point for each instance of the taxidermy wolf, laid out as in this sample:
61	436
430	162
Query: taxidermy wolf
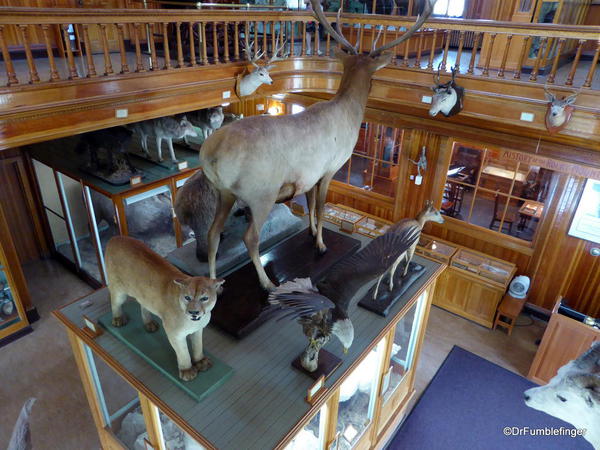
208	120
183	303
195	207
114	141
167	128
573	395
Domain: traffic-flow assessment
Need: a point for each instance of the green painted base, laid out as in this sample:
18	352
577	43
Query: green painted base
156	350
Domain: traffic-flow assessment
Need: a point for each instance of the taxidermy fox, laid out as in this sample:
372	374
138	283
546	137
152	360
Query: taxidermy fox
183	303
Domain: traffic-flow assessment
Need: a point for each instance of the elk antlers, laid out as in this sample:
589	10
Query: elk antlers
320	16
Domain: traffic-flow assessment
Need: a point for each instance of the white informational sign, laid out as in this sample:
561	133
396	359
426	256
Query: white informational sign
586	222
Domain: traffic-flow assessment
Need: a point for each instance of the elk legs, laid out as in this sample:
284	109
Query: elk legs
226	201
311	200
323	185
260	211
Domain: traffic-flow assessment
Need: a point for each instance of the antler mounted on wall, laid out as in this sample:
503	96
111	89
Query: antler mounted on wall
447	97
249	83
559	111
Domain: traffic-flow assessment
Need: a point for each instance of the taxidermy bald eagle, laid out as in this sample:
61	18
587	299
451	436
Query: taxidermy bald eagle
322	310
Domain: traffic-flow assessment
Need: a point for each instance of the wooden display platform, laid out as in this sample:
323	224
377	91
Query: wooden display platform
386	298
156	350
240	309
328	362
265	397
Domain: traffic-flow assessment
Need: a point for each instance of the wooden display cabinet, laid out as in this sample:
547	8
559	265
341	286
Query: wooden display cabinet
83	212
473	285
436	249
564	339
264	403
13	289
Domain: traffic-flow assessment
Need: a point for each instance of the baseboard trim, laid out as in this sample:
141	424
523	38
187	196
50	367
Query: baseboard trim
18	334
537	312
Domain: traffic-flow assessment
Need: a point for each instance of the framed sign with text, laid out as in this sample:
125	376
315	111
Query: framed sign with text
586	221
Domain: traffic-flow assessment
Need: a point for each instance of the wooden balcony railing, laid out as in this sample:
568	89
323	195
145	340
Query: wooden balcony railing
41	46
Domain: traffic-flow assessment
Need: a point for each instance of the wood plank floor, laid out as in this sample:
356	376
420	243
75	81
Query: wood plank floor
41	364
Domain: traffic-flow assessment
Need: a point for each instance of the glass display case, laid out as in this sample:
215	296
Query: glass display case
83	212
312	435
485	266
13	290
435	249
357	399
336	214
372	227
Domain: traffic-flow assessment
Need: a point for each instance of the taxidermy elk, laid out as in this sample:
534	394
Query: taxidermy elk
447	97
263	160
559	111
249	83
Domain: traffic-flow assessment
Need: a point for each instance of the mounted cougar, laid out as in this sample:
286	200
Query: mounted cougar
262	160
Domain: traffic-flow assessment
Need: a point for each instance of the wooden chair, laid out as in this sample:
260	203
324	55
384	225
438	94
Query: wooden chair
509	218
452	200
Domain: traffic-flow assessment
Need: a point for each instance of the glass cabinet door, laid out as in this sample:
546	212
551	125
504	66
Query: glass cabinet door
312	436
395	386
149	218
12	316
357	399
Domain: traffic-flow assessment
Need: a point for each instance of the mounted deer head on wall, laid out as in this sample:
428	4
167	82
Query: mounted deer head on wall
559	111
447	97
263	160
248	84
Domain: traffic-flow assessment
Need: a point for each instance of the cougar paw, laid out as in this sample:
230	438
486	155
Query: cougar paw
151	326
204	364
119	321
188	374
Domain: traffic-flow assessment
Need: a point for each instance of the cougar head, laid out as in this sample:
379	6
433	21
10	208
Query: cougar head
197	295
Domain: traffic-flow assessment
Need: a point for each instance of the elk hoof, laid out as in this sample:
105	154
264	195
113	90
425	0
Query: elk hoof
322	249
268	286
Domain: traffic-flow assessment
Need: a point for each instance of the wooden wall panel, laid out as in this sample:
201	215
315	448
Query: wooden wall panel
17	202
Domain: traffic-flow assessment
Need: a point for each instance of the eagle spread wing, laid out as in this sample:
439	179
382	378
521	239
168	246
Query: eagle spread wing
350	274
298	298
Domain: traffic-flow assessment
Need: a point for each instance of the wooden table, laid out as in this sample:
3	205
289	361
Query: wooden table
530	209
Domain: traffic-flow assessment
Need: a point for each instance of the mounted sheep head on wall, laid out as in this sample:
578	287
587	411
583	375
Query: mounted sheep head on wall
248	83
559	111
447	97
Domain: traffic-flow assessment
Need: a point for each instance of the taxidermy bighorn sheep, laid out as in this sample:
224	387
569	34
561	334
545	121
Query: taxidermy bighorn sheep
262	160
559	111
248	84
447	97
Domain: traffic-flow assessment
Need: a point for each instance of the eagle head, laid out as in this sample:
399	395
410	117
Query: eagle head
344	331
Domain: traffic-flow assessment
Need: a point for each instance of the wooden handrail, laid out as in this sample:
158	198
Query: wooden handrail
25	16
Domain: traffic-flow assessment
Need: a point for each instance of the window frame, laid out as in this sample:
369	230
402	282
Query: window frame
482	232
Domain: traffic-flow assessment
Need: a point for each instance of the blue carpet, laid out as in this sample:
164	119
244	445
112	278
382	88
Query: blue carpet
467	405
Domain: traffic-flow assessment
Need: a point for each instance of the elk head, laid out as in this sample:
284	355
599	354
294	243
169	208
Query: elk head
559	111
248	84
361	67
447	97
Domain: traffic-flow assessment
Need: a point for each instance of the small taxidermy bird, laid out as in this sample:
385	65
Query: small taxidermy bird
322	310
